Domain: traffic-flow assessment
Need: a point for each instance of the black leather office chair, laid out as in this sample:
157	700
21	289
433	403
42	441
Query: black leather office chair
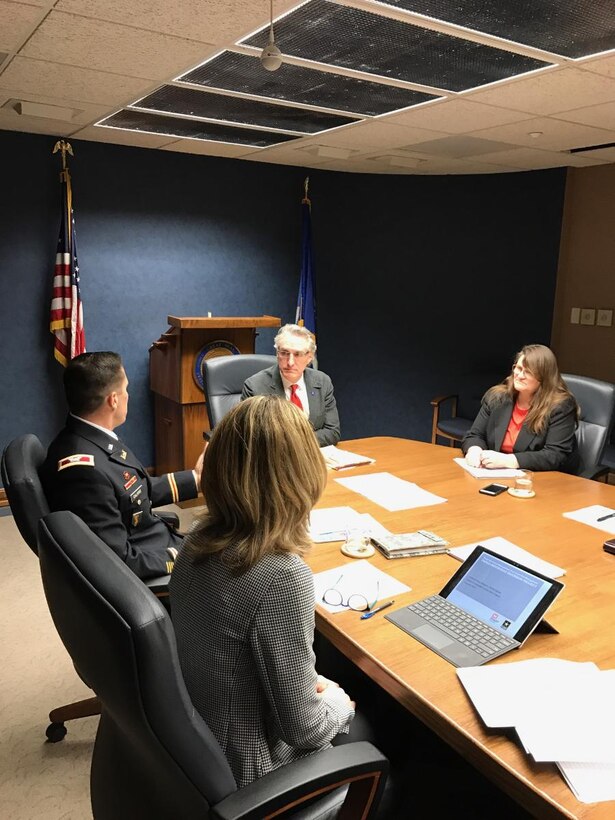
597	402
21	461
223	379
154	757
454	413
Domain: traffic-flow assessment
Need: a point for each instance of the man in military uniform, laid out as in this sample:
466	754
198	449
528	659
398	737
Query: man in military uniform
90	472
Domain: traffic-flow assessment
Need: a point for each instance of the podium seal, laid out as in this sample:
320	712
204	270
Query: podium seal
211	351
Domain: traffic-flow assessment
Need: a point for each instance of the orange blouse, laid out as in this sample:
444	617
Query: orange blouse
514	425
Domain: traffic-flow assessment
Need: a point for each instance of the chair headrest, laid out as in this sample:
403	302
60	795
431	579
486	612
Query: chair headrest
595	398
226	374
21	462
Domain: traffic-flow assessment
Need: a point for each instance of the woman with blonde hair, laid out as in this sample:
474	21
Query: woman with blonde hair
242	598
528	421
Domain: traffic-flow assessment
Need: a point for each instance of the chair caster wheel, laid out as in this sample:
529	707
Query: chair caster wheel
55	732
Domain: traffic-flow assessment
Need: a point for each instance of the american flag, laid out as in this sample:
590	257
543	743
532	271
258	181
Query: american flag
66	307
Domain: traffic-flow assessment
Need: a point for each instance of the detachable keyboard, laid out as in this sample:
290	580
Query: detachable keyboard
466	629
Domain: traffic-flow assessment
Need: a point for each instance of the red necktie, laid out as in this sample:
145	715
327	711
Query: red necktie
294	397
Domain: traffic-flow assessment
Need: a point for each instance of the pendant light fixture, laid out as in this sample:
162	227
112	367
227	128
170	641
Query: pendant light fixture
271	56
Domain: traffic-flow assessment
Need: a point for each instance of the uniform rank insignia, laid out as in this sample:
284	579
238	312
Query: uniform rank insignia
130	482
78	460
126	475
136	518
124	454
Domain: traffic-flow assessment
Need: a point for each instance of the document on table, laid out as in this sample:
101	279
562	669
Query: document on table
334	523
500	694
356	578
590	515
391	492
509	550
483	472
562	712
341	459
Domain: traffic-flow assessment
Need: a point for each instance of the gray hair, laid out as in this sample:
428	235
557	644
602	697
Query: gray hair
300	332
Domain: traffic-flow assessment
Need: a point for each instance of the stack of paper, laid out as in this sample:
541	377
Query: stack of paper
562	711
483	472
340	459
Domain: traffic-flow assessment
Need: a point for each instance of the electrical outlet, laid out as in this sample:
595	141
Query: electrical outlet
575	316
588	316
604	317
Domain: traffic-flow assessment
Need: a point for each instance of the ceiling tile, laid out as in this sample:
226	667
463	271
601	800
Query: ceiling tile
16	21
600	65
600	116
83	113
376	135
203	20
116	137
71	82
549	92
602	154
9	121
455	116
555	135
66	38
213	149
528	159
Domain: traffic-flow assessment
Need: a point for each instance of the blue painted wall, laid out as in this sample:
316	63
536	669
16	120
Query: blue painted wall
420	280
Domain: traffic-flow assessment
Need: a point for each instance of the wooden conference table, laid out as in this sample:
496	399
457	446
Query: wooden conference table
425	683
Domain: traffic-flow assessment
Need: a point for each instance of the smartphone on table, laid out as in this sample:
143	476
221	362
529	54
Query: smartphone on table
493	489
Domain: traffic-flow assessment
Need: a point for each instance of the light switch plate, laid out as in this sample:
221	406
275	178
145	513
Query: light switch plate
575	316
604	317
588	316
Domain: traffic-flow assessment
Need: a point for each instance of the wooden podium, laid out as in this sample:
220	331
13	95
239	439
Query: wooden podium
174	367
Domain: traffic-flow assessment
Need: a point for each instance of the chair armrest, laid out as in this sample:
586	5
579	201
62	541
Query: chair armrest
357	765
439	399
158	585
170	518
594	472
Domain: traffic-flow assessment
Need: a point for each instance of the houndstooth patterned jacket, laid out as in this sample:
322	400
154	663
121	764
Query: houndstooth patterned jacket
245	648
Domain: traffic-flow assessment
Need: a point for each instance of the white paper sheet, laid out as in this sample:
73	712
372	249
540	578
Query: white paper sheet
391	492
509	550
500	693
333	524
357	577
590	515
483	472
590	782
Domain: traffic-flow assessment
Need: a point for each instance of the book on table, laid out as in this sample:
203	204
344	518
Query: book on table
405	544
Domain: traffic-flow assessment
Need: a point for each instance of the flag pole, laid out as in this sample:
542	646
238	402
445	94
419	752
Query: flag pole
66	319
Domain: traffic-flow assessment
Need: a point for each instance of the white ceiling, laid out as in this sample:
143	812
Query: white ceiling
89	58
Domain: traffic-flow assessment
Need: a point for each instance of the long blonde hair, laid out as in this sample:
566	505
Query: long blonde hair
262	475
541	363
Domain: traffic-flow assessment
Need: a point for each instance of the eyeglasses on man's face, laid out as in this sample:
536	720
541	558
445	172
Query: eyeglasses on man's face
283	353
356	600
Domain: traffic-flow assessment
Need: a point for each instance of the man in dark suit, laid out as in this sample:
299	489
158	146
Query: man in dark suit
90	472
311	390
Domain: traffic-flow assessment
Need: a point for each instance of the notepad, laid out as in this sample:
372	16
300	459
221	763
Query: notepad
338	459
390	492
483	472
590	515
509	550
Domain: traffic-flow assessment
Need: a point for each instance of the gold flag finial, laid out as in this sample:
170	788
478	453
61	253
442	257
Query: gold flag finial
306	185
66	148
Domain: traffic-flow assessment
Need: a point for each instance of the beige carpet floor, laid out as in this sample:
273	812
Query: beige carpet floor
38	780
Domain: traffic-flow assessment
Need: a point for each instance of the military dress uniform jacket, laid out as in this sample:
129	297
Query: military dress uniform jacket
323	415
99	479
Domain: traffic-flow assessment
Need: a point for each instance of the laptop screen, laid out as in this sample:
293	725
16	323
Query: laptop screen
507	596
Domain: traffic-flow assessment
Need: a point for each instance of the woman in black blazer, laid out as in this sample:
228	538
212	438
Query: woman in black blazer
528	421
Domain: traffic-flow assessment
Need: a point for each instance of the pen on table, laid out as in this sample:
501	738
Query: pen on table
367	615
604	517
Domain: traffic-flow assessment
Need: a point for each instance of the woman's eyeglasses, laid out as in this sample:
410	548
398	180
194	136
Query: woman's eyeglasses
356	600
